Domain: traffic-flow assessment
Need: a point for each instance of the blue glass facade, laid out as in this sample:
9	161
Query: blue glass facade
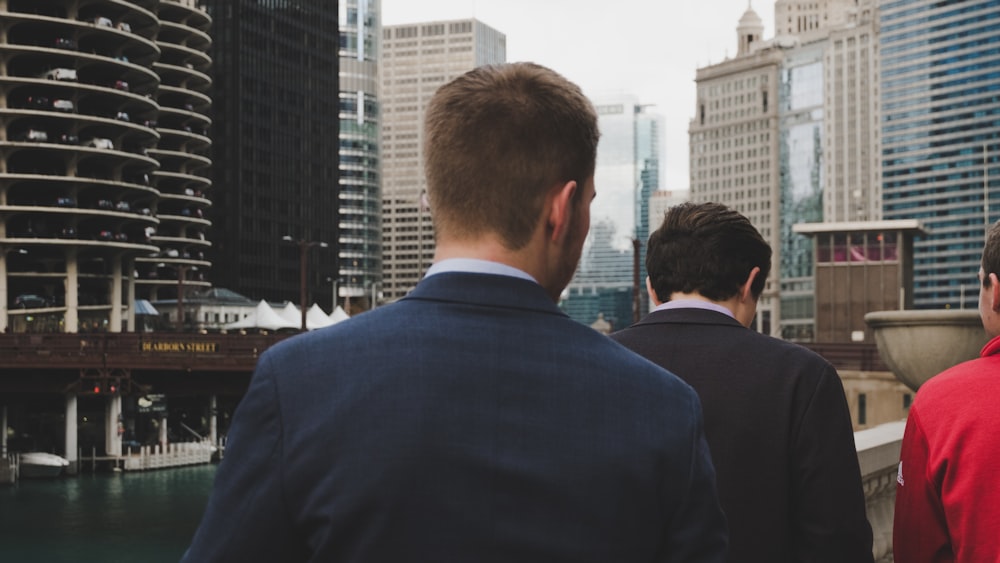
360	194
940	81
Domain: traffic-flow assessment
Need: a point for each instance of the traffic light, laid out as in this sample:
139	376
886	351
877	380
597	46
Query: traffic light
100	385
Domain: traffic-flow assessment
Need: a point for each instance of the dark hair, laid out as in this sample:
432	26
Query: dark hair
706	248
991	254
497	139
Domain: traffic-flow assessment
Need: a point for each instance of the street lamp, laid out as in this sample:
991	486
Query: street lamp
304	246
182	270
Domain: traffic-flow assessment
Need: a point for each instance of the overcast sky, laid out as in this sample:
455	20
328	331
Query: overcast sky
650	48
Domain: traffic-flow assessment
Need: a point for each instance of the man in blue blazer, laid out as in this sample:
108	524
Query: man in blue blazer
473	420
775	413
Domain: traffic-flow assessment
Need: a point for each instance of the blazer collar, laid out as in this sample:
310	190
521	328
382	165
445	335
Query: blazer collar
485	289
688	316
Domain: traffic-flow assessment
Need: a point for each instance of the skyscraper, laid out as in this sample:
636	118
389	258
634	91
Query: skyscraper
801	180
275	132
103	185
784	131
416	60
853	189
627	173
360	199
941	137
734	144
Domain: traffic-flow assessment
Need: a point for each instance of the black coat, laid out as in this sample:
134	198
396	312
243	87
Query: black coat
780	434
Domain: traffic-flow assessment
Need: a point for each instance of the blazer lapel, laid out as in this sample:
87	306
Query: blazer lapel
488	290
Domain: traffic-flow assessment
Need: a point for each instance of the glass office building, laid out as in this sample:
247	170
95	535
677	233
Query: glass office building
627	173
275	145
360	198
800	161
940	93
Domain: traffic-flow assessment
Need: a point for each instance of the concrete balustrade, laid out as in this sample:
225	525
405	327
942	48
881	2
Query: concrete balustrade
878	455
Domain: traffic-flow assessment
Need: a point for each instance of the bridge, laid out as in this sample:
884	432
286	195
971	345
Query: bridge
72	393
159	362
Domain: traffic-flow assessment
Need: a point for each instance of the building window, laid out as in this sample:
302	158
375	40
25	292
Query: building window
862	409
907	401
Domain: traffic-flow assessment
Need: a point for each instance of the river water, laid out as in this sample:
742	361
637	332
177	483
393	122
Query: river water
145	517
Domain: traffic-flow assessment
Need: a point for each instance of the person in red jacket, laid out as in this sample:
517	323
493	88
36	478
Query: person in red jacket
947	492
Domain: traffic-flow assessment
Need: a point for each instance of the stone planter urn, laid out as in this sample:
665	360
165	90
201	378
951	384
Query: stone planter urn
918	344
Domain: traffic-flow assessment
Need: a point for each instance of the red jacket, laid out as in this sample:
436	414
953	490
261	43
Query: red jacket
948	491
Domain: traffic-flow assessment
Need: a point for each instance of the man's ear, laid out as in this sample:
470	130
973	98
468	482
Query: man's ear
561	209
746	290
994	293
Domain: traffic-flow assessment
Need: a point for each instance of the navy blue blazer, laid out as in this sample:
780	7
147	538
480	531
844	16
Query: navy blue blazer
470	421
780	433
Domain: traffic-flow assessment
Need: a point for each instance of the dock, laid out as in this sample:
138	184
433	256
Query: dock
147	458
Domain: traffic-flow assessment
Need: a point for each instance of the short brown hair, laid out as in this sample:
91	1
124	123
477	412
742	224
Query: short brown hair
991	254
496	140
708	248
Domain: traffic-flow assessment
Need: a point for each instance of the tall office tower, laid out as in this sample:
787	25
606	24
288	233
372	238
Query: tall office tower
275	148
627	173
360	248
941	137
801	180
103	157
853	190
416	60
734	143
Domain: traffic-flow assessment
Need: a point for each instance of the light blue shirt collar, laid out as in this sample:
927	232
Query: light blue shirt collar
695	304
476	266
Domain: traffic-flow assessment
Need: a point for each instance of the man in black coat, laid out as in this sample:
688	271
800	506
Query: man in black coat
776	417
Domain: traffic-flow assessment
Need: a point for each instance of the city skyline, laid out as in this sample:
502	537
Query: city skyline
653	57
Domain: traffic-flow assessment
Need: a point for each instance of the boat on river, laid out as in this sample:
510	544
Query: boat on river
41	465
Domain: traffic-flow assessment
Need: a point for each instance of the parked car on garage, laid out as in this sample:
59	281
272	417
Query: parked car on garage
124	26
64	43
103	21
99	143
65	202
30	301
62	105
33	135
60	74
120	85
40	102
68	139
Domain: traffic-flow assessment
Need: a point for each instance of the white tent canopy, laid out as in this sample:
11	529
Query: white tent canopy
262	317
339	314
315	317
291	313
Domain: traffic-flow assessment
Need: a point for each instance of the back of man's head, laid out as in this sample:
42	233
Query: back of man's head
706	248
497	139
991	254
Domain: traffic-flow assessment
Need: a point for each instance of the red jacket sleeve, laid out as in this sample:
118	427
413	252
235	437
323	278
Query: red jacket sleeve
920	531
